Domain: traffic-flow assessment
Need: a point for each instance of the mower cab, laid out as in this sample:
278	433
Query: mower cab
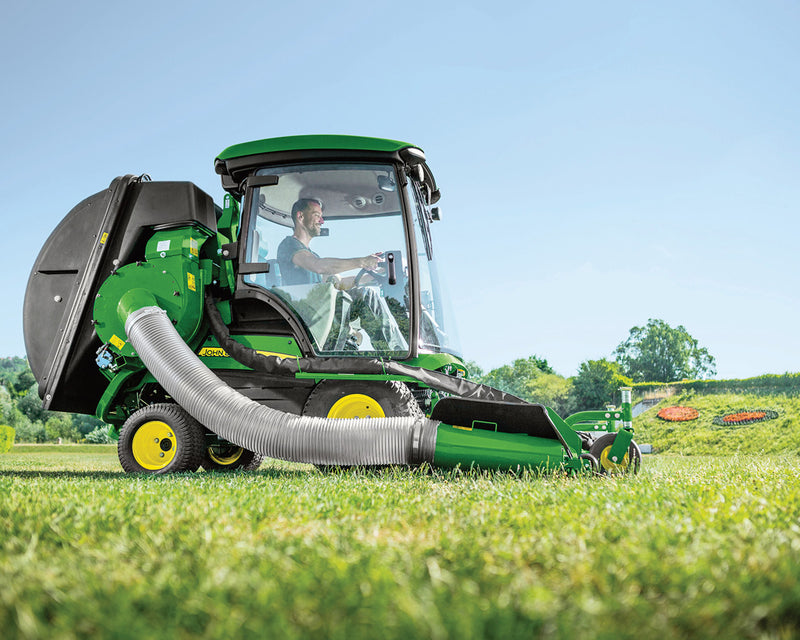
374	200
302	320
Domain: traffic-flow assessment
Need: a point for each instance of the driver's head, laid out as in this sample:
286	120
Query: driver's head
307	212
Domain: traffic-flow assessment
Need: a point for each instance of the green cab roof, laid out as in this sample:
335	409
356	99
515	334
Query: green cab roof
312	142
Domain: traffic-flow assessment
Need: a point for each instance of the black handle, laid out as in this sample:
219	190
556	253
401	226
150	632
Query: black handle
391	269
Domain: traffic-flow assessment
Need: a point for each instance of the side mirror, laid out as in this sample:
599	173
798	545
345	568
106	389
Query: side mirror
252	182
436	213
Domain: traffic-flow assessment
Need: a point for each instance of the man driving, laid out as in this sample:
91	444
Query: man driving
300	265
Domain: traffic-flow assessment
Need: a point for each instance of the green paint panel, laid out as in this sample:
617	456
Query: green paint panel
436	362
572	439
319	142
494	450
172	278
621	443
215	357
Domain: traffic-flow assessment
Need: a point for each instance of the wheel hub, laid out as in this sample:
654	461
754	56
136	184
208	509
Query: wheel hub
153	445
225	454
613	467
356	405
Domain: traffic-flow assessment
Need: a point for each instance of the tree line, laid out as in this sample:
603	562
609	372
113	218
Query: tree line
22	410
655	352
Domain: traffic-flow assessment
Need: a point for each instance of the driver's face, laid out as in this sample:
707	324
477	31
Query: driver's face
312	219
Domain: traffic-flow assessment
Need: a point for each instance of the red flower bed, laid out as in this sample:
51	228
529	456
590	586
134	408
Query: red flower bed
678	414
744	416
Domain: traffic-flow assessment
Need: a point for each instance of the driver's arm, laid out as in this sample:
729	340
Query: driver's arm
331	266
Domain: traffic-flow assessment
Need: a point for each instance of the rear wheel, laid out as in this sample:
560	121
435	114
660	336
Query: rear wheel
361	399
601	449
225	456
160	438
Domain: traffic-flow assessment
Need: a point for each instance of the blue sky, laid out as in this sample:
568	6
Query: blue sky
600	163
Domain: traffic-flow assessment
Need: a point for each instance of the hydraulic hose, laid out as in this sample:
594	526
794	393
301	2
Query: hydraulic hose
248	424
327	365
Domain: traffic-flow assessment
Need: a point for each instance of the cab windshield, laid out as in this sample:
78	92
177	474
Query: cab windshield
437	328
333	238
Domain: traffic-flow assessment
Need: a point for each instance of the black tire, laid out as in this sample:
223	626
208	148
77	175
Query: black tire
225	456
361	399
161	438
630	463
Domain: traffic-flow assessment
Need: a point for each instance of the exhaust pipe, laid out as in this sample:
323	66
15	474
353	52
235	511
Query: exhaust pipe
248	424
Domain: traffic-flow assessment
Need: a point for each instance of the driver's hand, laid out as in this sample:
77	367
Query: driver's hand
371	262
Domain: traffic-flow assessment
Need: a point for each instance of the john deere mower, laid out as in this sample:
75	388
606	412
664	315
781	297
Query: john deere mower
301	320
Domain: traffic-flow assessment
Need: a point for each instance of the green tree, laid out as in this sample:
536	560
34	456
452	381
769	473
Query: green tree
513	378
99	436
10	368
85	424
597	384
474	370
31	405
531	379
28	431
59	425
24	381
551	390
658	352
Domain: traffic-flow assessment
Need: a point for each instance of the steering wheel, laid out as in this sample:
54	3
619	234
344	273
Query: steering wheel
382	279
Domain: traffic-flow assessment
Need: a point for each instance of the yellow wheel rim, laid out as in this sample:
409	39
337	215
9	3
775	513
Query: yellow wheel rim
218	454
356	405
153	445
611	466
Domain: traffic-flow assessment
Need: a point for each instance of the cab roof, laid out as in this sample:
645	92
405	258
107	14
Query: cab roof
313	143
236	162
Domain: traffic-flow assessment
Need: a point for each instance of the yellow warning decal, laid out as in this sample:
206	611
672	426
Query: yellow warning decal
192	286
117	342
103	238
218	352
193	247
213	352
275	353
455	426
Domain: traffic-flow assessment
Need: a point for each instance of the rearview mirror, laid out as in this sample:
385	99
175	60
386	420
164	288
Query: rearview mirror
261	181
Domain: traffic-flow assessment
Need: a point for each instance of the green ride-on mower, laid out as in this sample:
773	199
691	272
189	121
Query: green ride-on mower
302	320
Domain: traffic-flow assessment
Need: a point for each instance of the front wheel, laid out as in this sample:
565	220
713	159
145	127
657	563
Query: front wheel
160	438
601	449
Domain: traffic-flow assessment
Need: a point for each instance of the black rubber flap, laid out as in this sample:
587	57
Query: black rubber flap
508	417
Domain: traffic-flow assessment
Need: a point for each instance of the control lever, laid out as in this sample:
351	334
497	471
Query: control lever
391	269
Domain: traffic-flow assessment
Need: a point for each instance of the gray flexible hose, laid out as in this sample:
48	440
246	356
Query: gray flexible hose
244	422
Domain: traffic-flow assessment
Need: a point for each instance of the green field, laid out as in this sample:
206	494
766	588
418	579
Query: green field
692	547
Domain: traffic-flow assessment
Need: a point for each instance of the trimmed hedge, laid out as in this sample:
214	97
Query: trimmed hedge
787	384
7	435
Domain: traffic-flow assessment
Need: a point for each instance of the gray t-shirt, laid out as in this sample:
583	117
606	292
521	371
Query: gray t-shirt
290	272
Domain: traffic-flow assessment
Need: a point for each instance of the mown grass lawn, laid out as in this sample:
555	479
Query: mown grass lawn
705	547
